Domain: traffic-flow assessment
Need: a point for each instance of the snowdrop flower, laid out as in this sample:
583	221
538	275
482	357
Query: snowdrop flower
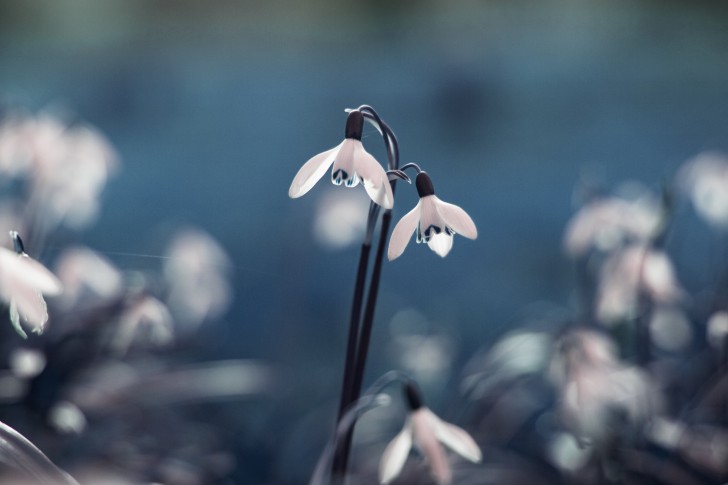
434	220
23	281
426	431
705	180
351	164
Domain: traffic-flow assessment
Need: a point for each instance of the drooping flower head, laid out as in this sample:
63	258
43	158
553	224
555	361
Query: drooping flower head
435	221
351	164
424	430
23	281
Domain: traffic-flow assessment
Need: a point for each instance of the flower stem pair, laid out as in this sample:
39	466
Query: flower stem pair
360	327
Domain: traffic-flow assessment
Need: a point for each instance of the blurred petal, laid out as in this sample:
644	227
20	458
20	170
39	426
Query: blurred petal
395	455
20	269
457	439
15	320
456	218
311	172
424	432
402	233
31	306
87	277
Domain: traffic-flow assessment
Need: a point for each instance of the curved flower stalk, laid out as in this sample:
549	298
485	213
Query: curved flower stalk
424	430
435	221
351	164
23	282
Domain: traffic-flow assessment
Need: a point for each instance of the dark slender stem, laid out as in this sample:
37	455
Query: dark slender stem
342	456
368	321
354	329
358	339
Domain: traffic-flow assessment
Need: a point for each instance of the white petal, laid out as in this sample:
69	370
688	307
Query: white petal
458	440
39	277
457	219
344	162
429	215
441	244
375	178
21	270
15	320
31	306
423	428
311	172
395	455
402	233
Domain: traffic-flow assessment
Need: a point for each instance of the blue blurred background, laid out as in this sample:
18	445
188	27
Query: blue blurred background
509	105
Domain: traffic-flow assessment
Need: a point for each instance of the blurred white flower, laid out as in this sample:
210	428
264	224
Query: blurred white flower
630	273
351	164
67	418
670	328
23	282
145	319
67	185
196	269
341	219
718	331
15	152
435	221
516	354
607	223
88	278
67	167
426	431
705	180
599	397
27	363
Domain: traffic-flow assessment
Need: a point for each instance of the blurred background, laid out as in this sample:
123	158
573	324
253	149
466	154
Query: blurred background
515	108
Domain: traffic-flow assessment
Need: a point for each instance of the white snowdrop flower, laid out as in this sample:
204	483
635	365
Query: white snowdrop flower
424	430
608	222
23	282
351	164
629	273
705	180
435	221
